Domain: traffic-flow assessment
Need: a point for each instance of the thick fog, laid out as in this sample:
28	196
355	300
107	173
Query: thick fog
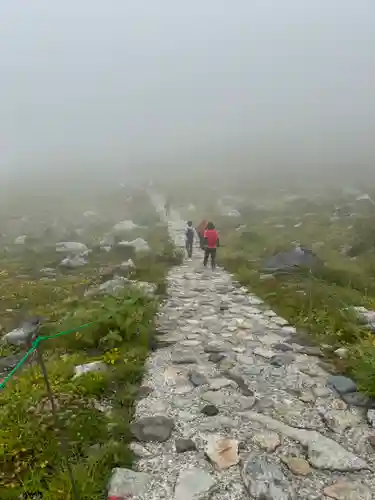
120	86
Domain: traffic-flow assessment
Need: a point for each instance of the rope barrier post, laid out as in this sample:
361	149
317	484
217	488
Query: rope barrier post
310	292
59	430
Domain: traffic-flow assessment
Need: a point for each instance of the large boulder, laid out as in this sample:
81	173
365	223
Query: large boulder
71	247
148	289
139	244
18	336
125	225
366	317
20	240
126	483
111	287
114	286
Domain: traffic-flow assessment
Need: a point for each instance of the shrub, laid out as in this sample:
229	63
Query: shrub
362	365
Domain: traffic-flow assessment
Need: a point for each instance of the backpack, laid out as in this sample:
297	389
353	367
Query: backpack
189	233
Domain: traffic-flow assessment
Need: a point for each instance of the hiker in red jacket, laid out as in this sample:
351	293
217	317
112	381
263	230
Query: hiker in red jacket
211	241
200	231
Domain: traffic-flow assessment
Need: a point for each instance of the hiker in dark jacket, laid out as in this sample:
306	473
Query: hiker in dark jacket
167	207
211	243
200	231
189	238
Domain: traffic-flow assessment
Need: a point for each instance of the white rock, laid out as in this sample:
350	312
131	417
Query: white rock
112	287
139	244
194	484
254	301
139	450
71	247
148	289
323	453
48	271
219	383
269	313
280	321
348	490
267	440
371	417
15	337
223	452
126	483
95	366
73	262
20	240
339	420
125	225
342	352
108	240
127	264
289	329
231	213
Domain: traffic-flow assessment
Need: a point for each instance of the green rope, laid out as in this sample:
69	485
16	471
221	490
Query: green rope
59	334
34	346
18	365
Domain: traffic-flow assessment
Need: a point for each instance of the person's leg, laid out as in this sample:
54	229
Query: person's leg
205	258
201	241
190	248
213	258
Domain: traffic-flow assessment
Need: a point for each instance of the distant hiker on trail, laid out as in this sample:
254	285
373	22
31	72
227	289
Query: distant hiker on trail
167	207
189	234
211	243
200	231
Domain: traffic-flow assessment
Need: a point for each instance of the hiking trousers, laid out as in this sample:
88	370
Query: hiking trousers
210	252
189	248
201	240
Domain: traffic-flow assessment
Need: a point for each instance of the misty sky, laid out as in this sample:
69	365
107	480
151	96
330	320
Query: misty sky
119	82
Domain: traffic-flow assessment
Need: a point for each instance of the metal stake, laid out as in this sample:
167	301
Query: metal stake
63	444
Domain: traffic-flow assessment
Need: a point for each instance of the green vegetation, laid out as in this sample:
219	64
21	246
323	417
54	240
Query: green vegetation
94	409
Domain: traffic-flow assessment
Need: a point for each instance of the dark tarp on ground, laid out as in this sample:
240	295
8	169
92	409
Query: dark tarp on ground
290	260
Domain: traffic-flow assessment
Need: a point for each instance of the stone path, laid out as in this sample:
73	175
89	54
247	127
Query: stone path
237	410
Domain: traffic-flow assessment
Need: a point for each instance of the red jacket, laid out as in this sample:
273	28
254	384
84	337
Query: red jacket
212	238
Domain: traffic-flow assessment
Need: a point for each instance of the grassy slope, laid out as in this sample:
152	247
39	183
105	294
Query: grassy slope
316	303
30	457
